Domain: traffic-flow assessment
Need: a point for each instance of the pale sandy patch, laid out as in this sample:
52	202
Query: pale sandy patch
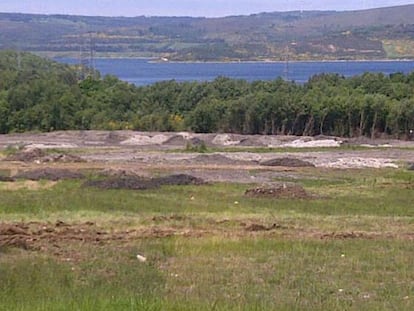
27	184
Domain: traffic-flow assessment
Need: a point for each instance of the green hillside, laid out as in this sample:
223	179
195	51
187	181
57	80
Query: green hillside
368	34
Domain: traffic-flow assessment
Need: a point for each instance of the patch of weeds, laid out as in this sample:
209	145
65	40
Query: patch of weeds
50	151
13	149
4	173
198	148
404	176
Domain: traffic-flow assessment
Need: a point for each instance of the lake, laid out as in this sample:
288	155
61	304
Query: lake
145	71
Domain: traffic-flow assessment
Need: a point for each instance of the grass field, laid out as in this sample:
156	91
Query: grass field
347	247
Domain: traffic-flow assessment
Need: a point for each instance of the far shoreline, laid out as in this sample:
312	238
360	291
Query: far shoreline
157	59
272	61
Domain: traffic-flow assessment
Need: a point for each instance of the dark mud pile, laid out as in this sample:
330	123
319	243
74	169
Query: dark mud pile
143	183
287	162
6	179
218	159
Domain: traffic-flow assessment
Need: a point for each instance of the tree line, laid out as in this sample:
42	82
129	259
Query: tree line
41	95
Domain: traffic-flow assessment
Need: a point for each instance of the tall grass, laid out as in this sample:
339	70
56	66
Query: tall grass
218	274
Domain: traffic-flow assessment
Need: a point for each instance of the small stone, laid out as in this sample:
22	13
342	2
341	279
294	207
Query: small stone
141	258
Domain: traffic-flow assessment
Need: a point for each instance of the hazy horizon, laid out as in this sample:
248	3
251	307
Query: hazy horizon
195	8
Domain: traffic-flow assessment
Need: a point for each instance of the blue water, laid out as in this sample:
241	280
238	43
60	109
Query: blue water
144	72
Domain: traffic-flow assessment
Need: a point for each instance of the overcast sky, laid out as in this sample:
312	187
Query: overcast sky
184	7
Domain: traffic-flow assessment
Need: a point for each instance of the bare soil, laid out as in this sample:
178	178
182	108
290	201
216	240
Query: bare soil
40	156
282	191
140	154
67	241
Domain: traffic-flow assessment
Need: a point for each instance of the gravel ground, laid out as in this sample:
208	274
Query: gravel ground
143	151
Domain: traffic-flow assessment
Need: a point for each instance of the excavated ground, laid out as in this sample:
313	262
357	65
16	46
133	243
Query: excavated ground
133	160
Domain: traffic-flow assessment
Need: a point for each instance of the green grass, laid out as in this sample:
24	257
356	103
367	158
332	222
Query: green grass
108	280
389	193
291	268
218	274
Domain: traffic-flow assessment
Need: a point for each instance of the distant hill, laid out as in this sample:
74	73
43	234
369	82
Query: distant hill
384	33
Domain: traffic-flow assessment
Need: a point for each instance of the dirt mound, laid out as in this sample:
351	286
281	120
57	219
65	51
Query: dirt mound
284	191
14	236
122	182
176	140
27	155
6	178
225	140
62	158
218	159
114	138
145	140
179	180
195	141
50	174
39	156
213	159
143	183
287	162
34	236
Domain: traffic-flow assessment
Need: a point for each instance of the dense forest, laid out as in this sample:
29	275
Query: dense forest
41	95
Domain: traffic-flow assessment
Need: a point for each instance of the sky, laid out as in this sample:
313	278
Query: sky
208	8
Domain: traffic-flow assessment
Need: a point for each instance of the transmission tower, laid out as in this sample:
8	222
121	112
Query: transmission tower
86	56
286	69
